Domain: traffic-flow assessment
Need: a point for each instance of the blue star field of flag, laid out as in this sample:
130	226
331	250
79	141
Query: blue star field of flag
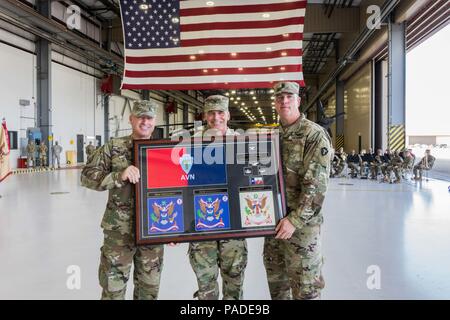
151	23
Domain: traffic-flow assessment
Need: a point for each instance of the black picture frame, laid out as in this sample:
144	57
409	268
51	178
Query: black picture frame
247	187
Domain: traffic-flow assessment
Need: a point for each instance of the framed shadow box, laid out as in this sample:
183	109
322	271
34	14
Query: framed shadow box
208	189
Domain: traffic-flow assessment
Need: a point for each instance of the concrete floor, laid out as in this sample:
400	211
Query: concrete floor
402	231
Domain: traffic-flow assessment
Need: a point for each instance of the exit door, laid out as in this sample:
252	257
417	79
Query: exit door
158	134
99	141
80	148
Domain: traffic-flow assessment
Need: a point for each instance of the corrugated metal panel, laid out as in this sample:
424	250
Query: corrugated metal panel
342	20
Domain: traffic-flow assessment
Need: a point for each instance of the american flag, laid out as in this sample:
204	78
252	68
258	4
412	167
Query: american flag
217	44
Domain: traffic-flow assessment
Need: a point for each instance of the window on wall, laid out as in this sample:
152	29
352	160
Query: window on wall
13	139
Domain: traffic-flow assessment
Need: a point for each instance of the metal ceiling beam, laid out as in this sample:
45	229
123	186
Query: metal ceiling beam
183	97
112	6
25	17
44	81
324	50
332	8
349	56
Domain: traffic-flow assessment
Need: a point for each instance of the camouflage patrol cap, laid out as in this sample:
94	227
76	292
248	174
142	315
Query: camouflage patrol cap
216	103
286	87
144	108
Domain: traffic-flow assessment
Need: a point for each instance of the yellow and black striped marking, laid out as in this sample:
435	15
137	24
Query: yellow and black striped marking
31	170
44	169
397	137
339	142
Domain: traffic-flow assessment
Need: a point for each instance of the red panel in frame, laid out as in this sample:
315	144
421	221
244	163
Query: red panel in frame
163	169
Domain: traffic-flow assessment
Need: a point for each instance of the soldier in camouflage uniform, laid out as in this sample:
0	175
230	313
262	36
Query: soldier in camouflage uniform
340	164
230	256
376	164
426	163
353	161
89	150
335	162
110	169
394	165
43	154
31	149
386	160
293	259
408	161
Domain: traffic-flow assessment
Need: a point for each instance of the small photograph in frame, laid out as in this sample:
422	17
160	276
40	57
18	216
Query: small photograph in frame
257	207
211	211
165	213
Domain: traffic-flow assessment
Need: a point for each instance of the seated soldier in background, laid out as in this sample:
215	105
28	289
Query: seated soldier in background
362	163
412	155
342	160
376	164
334	165
366	159
408	161
394	165
386	161
353	161
387	155
426	163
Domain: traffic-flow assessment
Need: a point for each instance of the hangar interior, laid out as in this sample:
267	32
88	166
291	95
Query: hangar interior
65	83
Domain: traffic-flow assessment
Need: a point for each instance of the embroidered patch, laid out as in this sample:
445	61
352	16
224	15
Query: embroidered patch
324	151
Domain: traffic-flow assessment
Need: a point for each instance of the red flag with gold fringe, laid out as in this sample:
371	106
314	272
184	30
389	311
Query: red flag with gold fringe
4	152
